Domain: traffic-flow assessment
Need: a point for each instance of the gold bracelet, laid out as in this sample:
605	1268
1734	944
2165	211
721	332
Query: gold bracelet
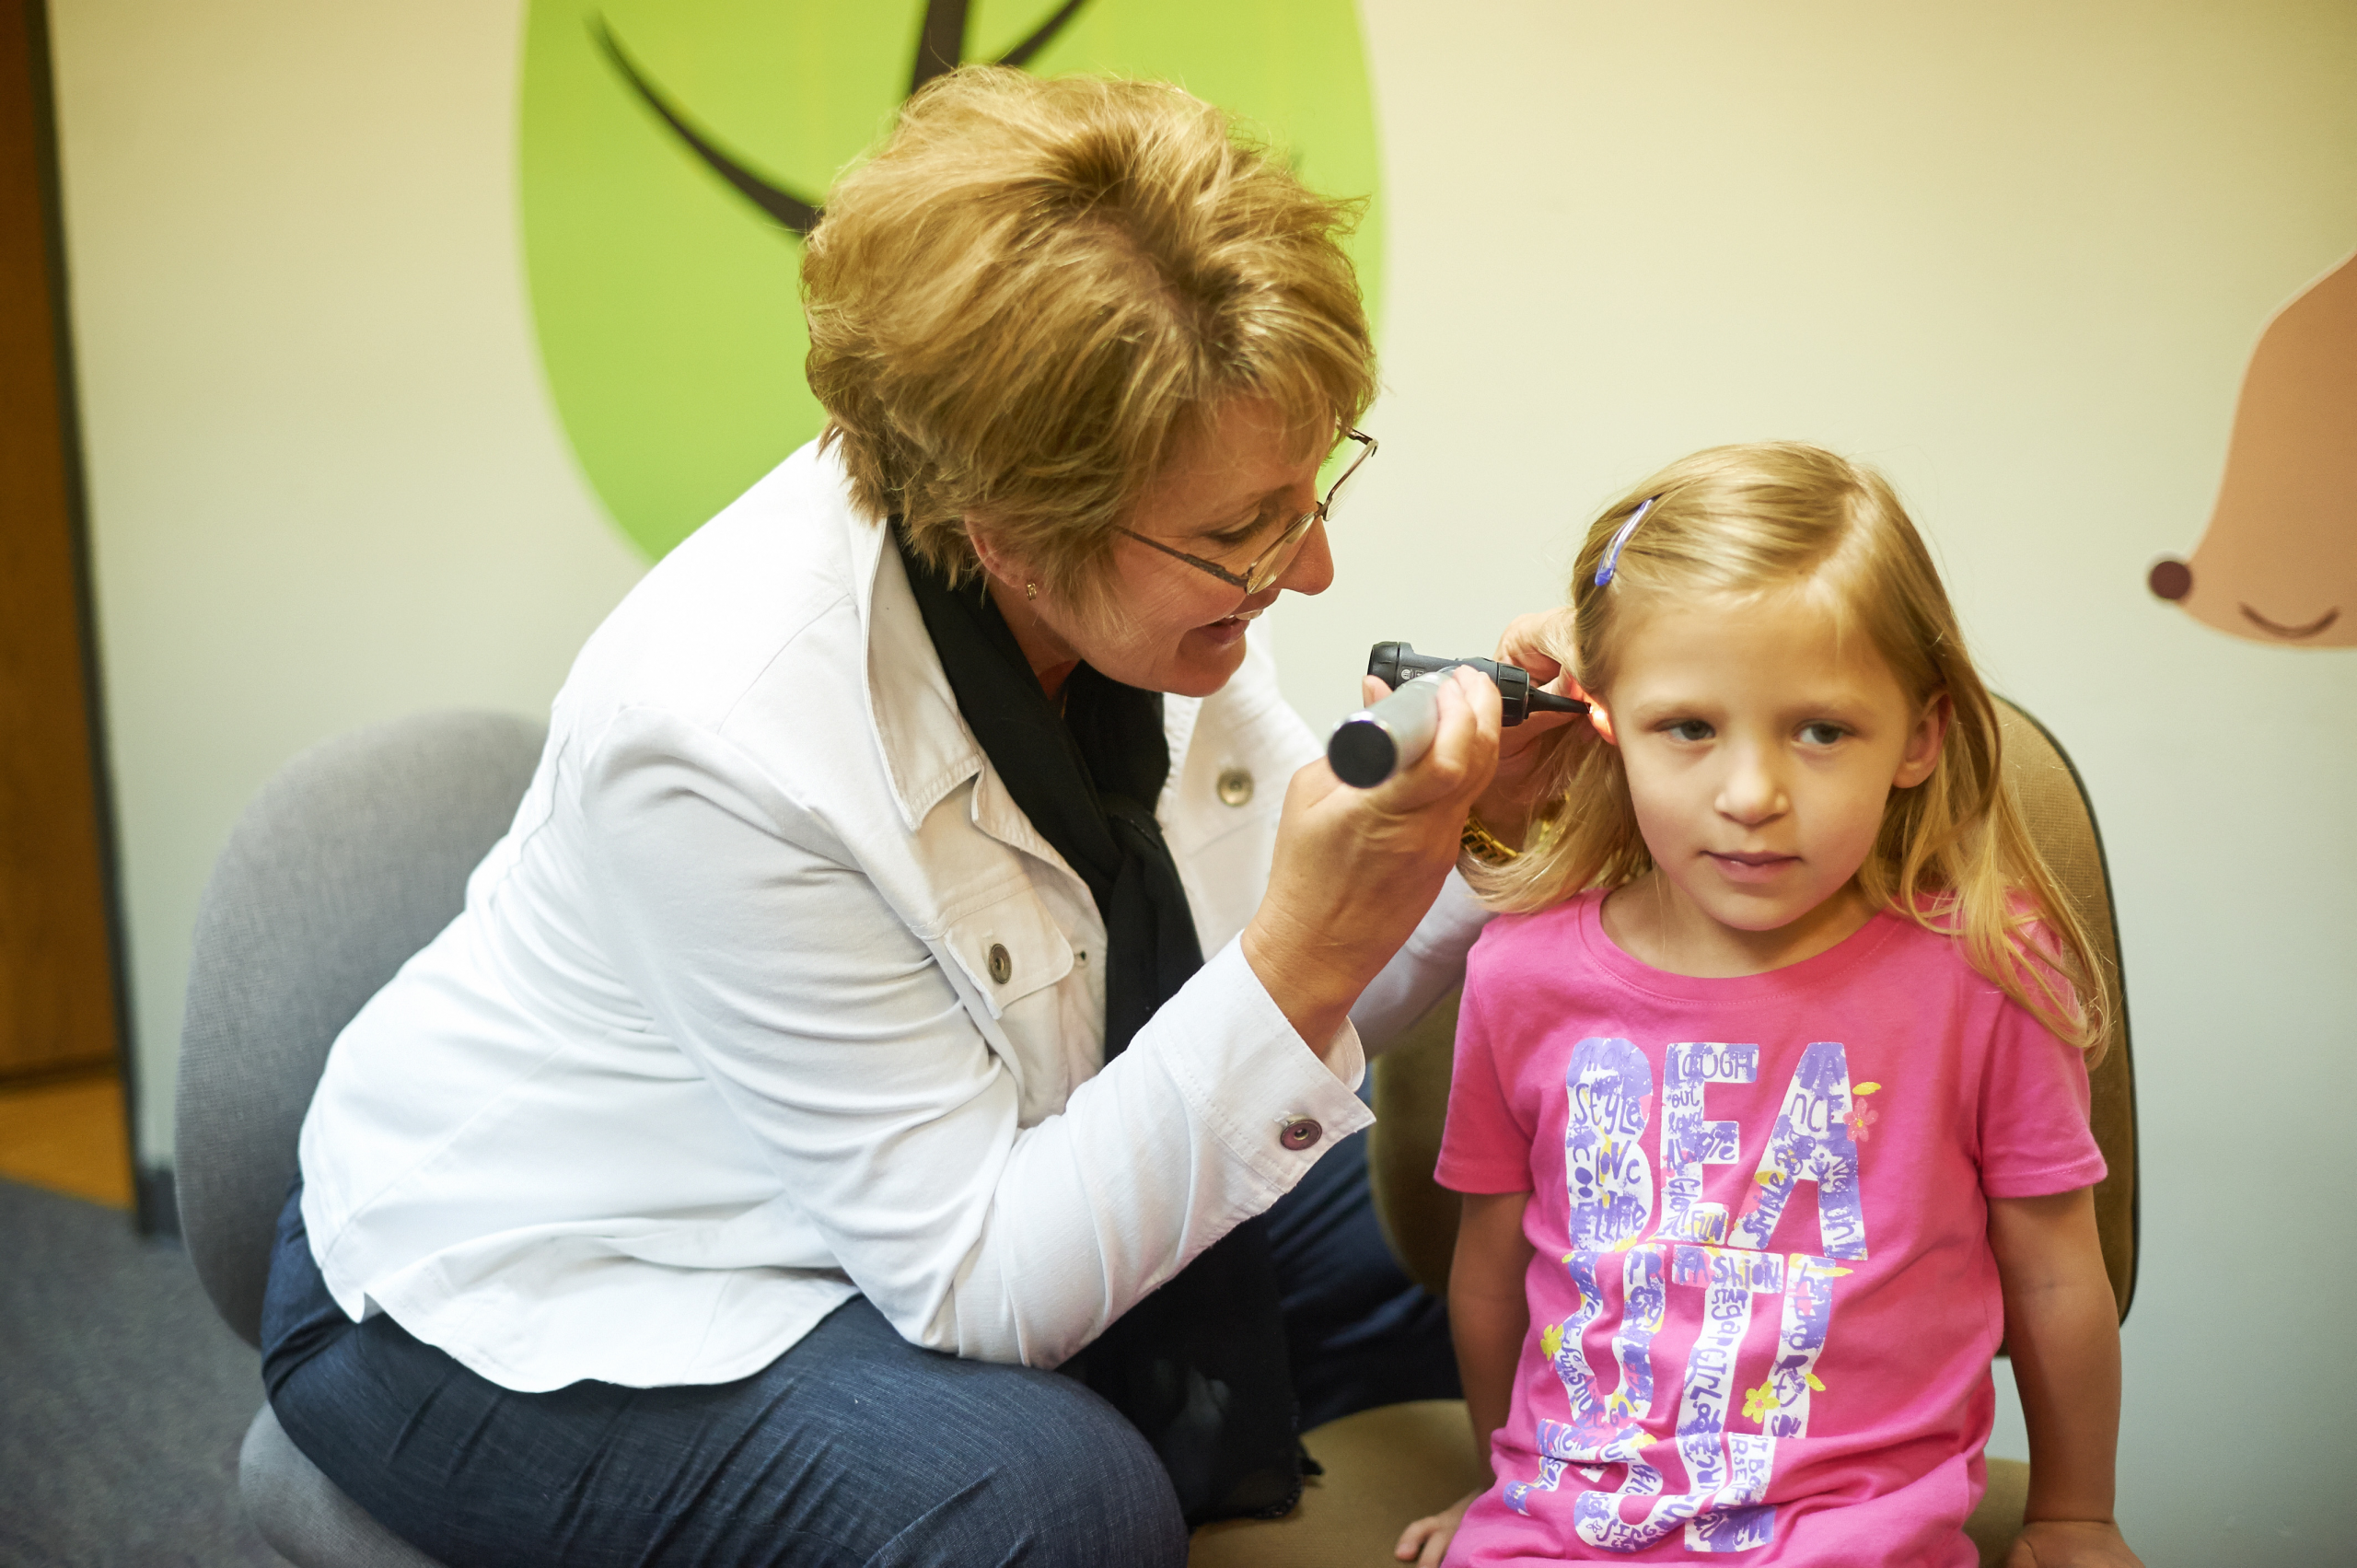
1486	846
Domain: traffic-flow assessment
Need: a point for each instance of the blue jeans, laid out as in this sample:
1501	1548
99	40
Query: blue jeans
853	1447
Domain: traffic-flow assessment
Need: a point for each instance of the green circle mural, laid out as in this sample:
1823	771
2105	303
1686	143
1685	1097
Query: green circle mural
672	153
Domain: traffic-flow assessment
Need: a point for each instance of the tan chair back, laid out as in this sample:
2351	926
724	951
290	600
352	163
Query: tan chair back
1419	1217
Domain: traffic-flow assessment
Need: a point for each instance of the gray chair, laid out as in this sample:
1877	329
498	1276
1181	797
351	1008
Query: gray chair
347	863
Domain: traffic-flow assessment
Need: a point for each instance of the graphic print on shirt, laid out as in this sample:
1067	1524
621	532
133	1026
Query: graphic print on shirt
1696	1247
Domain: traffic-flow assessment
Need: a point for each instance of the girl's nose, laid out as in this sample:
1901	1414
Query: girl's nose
1750	793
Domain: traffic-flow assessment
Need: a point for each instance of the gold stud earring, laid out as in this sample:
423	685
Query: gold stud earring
1030	590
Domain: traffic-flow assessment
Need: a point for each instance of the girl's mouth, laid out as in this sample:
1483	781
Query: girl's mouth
1751	868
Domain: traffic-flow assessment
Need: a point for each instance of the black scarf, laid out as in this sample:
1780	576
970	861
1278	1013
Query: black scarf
1198	1366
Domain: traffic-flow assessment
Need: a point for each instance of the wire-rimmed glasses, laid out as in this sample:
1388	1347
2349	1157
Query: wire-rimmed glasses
1270	565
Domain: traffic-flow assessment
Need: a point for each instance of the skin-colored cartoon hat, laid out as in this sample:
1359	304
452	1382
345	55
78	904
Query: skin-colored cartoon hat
2278	560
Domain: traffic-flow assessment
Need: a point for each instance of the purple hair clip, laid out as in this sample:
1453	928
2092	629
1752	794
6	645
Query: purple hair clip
1612	555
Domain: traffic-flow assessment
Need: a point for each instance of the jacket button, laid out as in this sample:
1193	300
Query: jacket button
1300	1134
1002	966
1234	786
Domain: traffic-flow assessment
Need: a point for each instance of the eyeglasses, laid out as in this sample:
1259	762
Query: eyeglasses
1270	565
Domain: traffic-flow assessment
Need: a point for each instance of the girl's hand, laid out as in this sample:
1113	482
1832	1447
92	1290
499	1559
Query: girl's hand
2063	1327
2069	1543
1424	1542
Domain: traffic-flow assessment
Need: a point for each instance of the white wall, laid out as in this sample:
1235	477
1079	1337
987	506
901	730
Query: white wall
2014	252
325	486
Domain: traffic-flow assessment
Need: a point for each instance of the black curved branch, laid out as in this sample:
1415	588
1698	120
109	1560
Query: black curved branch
941	42
790	211
1021	53
941	47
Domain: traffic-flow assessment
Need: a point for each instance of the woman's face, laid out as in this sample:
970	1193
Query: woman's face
1163	624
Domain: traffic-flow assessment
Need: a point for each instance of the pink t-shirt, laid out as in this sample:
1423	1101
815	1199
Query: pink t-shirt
1763	1303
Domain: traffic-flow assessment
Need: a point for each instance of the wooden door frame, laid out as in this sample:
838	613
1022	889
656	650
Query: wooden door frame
155	1211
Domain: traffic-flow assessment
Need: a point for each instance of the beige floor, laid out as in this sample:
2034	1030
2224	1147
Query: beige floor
67	1136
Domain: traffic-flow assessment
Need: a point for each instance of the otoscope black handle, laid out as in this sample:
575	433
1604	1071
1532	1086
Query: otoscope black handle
1375	742
1519	697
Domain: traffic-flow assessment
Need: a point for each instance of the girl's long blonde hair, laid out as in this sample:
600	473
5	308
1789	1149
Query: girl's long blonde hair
1952	854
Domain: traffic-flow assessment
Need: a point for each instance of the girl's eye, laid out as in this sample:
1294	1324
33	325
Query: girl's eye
1821	733
1688	729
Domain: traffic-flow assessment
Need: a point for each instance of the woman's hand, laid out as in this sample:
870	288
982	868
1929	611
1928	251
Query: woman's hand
1424	1542
1356	869
2061	1543
1531	641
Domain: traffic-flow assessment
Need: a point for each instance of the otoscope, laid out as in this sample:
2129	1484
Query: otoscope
1373	743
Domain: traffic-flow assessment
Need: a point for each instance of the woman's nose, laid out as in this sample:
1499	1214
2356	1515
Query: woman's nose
1311	570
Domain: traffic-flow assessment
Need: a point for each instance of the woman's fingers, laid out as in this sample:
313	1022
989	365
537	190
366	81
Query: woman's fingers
1528	733
1463	754
1542	645
1537	642
1467	743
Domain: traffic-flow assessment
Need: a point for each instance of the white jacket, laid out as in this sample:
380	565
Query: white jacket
716	1042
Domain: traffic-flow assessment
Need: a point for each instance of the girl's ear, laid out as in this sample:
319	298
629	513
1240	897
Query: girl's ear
1599	717
1922	752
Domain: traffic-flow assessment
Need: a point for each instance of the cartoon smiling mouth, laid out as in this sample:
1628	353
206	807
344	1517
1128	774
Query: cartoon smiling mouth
2290	634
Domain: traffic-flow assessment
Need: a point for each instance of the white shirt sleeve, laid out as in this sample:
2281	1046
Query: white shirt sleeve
1428	964
832	1033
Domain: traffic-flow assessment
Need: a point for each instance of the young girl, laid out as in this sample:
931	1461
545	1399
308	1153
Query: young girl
1770	1108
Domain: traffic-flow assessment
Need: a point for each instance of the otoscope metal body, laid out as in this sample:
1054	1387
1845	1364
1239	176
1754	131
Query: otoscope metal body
1375	742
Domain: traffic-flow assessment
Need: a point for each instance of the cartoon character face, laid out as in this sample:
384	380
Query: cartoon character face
2278	562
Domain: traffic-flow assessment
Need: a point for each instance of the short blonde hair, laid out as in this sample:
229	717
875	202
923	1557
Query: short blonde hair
1034	288
1952	854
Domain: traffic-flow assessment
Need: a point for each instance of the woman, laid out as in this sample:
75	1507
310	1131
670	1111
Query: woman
902	948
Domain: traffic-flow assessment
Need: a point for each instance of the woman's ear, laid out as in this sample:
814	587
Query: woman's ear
997	562
1600	716
1922	752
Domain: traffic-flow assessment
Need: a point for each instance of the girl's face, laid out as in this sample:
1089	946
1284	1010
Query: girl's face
1760	751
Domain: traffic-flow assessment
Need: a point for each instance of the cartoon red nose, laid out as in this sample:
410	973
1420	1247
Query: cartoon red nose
2171	578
